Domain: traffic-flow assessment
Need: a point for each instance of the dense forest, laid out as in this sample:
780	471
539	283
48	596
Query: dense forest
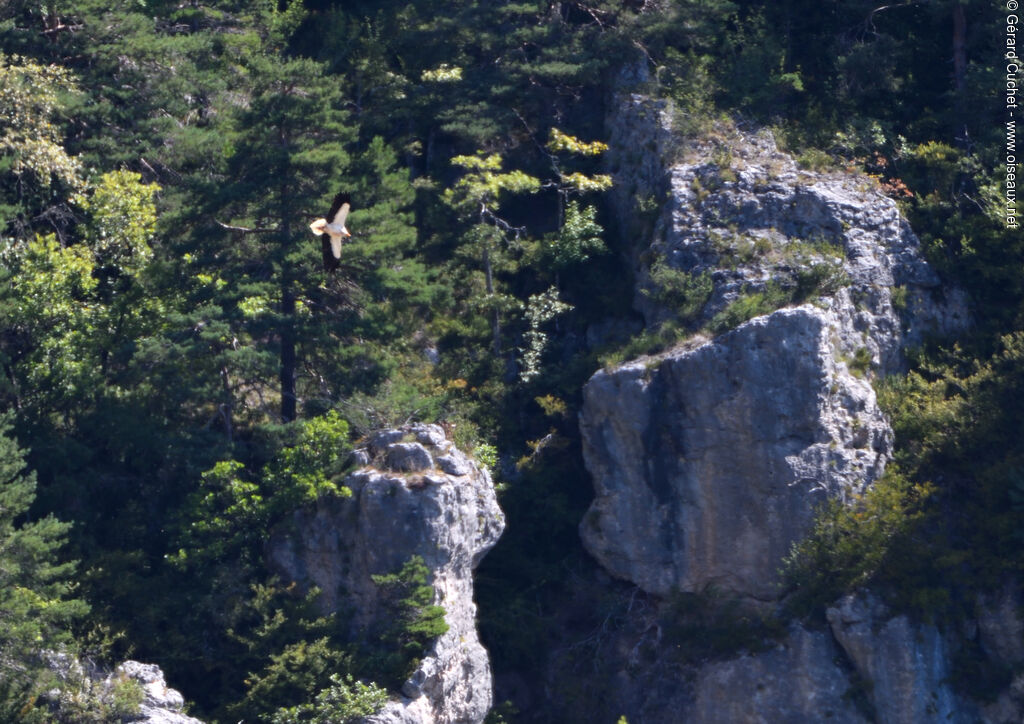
179	372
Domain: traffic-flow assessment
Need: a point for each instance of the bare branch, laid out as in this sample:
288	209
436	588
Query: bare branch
244	229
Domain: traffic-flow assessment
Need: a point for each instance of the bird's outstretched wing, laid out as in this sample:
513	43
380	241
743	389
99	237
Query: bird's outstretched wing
339	210
332	244
331	256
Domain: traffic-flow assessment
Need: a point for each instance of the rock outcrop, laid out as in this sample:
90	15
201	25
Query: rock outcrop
90	688
161	705
866	666
709	463
710	460
416	495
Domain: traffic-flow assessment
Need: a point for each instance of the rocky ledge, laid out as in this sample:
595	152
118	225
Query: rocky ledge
414	494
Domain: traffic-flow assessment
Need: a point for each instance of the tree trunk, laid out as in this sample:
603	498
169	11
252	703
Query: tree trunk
287	352
288	403
496	319
960	73
959	49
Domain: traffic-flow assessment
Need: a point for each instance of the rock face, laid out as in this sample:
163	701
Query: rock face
798	681
709	463
162	705
419	495
908	665
84	683
709	460
867	666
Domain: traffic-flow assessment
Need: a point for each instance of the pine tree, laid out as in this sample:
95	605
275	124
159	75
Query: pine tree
35	611
286	159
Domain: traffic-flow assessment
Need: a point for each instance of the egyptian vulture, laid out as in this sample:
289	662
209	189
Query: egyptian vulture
332	230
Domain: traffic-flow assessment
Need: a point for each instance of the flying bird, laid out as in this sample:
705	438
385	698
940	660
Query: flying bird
332	230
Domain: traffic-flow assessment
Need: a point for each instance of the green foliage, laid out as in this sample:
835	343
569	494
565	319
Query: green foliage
814	159
953	417
647	342
413	395
344	701
35	586
286	649
486	455
856	542
145	345
231	511
700	626
540	308
413	621
750	305
122	221
685	293
860	363
577	240
35	166
819	278
82	699
480	188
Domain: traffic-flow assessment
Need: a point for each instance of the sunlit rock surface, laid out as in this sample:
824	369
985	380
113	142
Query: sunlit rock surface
710	459
417	495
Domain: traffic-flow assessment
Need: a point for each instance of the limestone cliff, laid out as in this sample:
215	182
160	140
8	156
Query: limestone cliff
710	459
415	494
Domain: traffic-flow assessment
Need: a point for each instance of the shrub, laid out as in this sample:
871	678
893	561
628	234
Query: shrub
683	292
852	541
84	700
860	363
748	306
413	621
709	624
819	279
814	159
646	343
343	702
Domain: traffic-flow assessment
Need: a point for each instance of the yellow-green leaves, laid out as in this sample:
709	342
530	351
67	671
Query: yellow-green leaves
29	103
484	182
122	219
581	182
53	288
304	471
478	163
235	506
559	142
444	73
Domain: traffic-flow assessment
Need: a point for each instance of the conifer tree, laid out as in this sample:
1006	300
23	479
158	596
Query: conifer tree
35	611
286	159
